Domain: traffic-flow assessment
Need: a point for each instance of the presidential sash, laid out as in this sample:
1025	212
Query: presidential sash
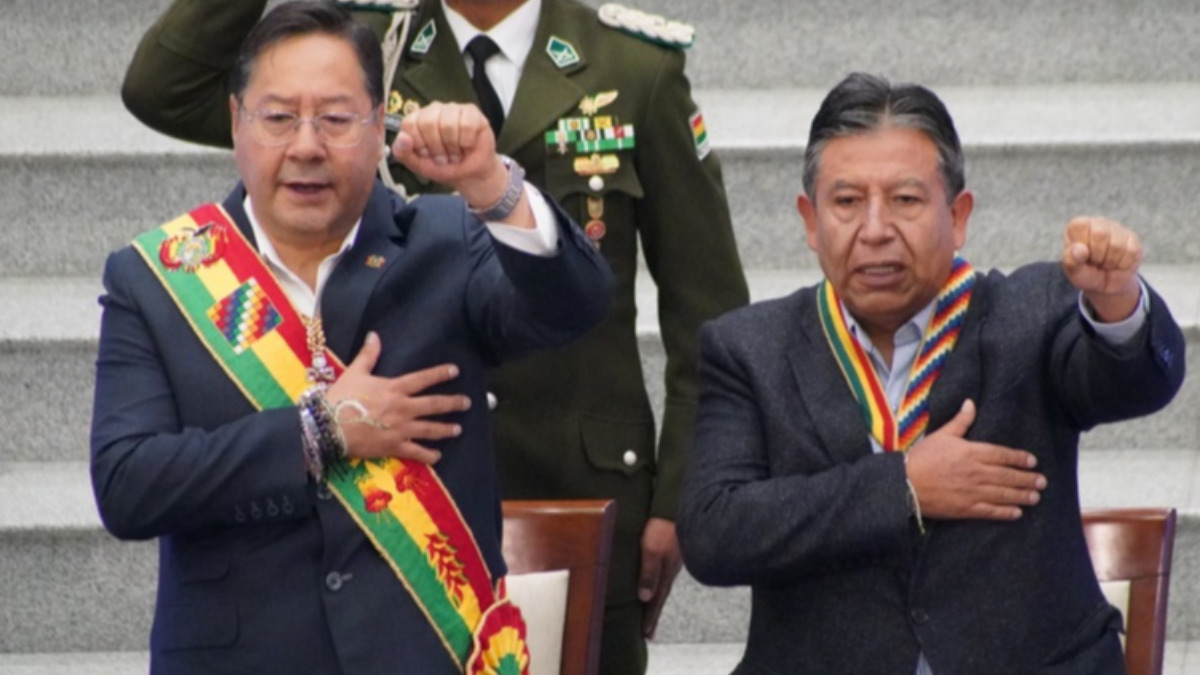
245	320
898	431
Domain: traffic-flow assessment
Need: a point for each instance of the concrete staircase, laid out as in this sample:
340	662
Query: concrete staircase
1065	107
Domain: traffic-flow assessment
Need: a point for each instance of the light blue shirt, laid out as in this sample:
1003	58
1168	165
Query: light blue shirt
906	342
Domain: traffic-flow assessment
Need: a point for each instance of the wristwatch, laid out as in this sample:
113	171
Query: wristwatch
511	197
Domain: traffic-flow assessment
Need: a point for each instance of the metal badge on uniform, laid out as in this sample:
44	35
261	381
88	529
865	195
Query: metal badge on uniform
596	164
595	228
395	103
590	105
561	52
375	261
699	135
425	38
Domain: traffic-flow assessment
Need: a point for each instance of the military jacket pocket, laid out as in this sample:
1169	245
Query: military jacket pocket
622	445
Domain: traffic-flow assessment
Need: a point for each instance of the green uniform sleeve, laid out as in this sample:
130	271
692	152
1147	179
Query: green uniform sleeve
688	242
177	82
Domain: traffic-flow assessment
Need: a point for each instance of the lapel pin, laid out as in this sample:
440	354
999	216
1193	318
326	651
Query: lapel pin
561	52
425	38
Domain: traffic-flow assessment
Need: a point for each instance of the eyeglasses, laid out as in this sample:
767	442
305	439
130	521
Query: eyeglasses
339	130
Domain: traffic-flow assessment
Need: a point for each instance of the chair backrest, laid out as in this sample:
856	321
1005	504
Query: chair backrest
571	535
1135	546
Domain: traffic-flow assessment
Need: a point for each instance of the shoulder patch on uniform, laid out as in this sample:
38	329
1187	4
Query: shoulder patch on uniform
700	135
650	27
387	6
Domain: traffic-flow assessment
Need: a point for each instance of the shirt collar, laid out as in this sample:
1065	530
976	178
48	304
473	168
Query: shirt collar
909	332
267	250
514	35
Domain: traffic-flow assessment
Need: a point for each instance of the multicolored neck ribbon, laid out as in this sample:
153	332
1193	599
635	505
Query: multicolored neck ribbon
898	431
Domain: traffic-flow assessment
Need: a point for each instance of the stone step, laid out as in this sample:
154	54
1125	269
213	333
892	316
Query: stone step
1180	658
771	43
1036	156
48	353
67	586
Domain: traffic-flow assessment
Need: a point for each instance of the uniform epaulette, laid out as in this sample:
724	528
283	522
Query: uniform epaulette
387	6
649	27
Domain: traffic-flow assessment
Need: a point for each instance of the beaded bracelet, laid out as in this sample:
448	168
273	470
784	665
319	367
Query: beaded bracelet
312	446
324	442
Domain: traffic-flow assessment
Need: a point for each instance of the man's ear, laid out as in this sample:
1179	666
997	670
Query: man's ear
960	212
808	211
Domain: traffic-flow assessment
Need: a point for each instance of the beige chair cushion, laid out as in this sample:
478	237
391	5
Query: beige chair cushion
542	597
1117	594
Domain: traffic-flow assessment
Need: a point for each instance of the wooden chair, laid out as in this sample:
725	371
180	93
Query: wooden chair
577	536
1135	546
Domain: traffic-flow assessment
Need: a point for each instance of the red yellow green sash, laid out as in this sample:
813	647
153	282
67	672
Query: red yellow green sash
243	317
898	431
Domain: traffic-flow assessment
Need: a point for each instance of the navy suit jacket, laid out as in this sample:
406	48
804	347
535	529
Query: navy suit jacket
260	571
785	494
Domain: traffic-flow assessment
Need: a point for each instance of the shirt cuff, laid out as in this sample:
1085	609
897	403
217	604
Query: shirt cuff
542	240
1121	332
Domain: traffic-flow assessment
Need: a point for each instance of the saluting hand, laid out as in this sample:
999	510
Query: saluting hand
1101	258
397	413
957	478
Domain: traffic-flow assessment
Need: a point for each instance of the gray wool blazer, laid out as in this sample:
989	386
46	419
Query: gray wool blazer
784	493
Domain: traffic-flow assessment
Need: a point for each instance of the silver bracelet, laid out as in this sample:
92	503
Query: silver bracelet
511	197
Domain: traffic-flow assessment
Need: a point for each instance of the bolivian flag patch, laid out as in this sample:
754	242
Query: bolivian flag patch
700	135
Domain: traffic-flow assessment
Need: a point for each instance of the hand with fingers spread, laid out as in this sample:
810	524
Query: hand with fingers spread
955	478
397	414
1101	258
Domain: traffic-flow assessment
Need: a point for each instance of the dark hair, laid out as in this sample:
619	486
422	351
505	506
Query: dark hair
862	103
306	17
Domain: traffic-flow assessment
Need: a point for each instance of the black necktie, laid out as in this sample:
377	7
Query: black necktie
481	48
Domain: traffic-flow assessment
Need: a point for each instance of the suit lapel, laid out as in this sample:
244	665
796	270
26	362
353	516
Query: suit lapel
545	92
439	74
352	283
823	388
235	206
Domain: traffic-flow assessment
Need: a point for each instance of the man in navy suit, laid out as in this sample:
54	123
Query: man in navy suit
277	520
889	458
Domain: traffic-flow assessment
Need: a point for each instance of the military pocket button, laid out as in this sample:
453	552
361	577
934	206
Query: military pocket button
630	458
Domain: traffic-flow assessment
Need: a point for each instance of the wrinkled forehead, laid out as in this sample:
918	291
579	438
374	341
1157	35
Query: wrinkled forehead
891	156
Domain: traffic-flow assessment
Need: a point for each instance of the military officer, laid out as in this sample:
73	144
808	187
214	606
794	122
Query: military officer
596	106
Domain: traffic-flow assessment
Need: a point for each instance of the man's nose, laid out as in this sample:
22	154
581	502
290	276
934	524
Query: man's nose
307	144
877	225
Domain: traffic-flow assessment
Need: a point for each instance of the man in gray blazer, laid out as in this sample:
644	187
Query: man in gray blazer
889	458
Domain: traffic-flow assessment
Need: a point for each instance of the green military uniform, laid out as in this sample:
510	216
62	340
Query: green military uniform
576	422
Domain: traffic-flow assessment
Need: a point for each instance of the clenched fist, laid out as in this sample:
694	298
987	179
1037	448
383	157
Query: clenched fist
452	144
1101	258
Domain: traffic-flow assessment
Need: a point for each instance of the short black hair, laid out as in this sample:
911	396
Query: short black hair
862	103
307	17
